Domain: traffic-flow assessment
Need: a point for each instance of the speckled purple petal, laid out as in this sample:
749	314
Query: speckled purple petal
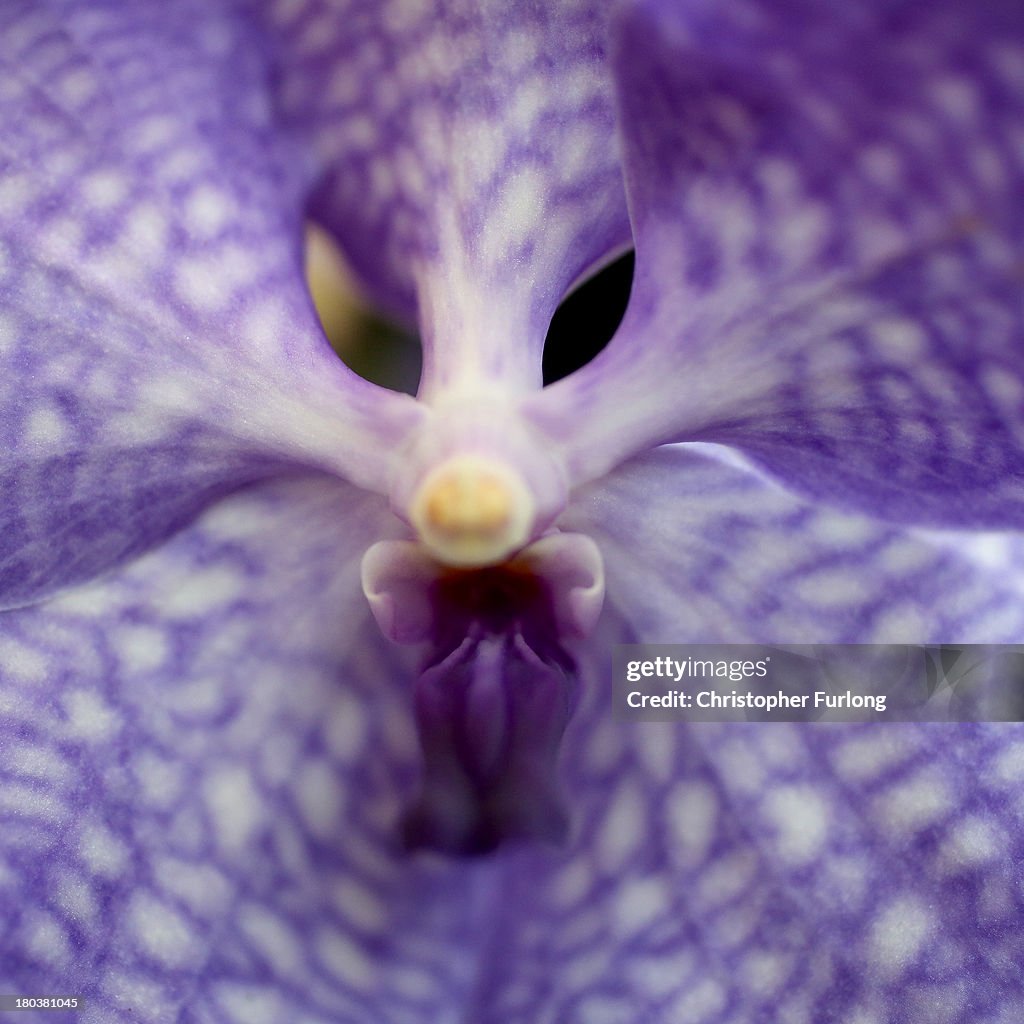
204	763
724	874
205	758
157	344
468	158
829	234
698	548
731	874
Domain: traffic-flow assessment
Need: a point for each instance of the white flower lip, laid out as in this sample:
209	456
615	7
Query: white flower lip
472	511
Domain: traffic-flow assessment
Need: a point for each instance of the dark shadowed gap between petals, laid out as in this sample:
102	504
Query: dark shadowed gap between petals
587	319
379	350
386	354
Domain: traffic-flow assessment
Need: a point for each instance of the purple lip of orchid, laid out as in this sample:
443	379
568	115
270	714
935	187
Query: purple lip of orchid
497	601
498	684
206	759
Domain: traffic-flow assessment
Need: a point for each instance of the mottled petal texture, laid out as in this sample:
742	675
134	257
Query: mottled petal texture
206	755
829	235
700	548
467	160
205	758
185	742
157	344
725	874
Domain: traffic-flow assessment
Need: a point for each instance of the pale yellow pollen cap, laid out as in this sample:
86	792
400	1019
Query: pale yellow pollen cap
472	511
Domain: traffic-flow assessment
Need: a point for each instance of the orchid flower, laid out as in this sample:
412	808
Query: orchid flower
282	649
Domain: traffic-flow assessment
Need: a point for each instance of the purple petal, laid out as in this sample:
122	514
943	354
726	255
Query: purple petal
701	550
158	345
204	762
826	204
726	874
468	162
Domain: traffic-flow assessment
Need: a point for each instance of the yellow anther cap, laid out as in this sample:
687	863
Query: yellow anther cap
472	511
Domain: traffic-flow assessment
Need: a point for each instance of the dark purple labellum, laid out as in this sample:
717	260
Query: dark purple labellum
497	687
490	718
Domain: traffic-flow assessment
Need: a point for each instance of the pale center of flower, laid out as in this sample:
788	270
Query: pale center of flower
471	511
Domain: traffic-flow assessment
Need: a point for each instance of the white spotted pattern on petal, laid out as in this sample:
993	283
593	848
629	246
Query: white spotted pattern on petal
793	902
458	193
157	344
762	565
825	277
181	817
